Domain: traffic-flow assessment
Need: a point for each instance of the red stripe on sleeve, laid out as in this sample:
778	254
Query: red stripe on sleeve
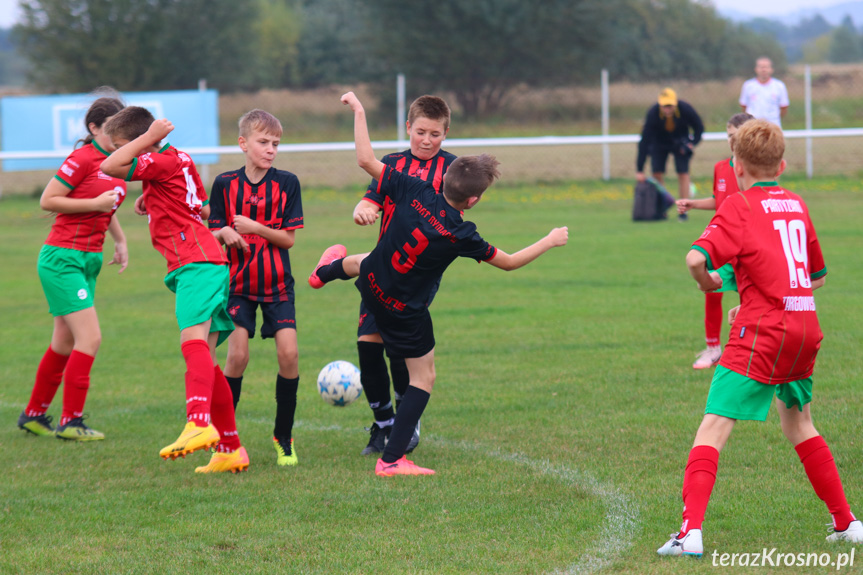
438	174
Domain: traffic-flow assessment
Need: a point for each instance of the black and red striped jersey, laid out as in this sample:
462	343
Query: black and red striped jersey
422	236
431	170
264	273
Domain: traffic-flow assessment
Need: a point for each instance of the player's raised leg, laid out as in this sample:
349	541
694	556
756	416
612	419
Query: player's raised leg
335	265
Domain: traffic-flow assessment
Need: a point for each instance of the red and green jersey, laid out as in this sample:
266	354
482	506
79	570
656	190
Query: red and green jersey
264	273
174	196
81	173
767	233
724	181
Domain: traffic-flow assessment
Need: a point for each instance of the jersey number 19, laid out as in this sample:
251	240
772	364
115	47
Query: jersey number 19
793	237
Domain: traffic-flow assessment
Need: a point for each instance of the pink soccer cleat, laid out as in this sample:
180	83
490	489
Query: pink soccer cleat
400	467
331	254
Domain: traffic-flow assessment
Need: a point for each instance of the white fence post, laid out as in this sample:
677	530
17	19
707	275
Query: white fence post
808	98
606	150
400	107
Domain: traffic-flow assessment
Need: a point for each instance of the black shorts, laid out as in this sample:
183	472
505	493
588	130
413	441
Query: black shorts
403	337
659	157
367	324
277	315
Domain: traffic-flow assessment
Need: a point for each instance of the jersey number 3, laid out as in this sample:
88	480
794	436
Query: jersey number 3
410	253
793	236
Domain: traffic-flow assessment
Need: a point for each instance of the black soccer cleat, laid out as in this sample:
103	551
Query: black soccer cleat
415	439
378	437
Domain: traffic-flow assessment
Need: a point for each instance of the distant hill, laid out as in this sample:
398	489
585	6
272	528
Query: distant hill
833	14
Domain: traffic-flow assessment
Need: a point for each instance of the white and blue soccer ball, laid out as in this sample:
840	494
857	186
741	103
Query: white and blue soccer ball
339	383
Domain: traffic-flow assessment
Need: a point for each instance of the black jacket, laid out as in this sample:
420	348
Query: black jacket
654	134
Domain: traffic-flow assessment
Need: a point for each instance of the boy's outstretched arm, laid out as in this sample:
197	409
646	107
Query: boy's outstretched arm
697	264
684	206
120	161
365	154
555	238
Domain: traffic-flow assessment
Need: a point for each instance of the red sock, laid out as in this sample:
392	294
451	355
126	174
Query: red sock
698	483
199	381
824	477
48	378
77	382
223	413
712	318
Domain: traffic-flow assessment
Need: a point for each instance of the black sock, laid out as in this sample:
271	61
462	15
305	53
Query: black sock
236	385
401	377
333	271
413	405
286	405
375	379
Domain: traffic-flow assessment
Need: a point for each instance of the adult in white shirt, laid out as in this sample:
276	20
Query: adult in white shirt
764	96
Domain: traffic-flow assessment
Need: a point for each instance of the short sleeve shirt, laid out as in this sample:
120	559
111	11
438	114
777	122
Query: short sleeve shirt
768	232
420	238
174	196
431	171
81	173
724	181
264	273
765	101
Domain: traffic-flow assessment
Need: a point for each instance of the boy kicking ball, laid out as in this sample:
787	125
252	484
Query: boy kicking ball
774	335
421	236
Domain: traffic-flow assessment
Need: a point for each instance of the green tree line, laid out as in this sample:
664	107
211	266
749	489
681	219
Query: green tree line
477	50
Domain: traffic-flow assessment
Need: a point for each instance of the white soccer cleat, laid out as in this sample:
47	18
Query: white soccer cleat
853	534
690	545
707	358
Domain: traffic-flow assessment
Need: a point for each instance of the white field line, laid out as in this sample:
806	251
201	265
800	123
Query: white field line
621	521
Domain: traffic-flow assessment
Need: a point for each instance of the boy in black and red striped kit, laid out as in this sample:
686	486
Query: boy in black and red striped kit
427	126
425	234
255	212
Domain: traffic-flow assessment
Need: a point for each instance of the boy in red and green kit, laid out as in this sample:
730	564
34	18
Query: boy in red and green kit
174	199
775	334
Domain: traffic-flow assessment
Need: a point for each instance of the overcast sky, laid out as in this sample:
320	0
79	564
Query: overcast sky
8	8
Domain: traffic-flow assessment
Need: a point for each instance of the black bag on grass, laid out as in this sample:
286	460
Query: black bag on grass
651	201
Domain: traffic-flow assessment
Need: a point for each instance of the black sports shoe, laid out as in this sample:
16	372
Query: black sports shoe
377	440
37	425
76	430
415	439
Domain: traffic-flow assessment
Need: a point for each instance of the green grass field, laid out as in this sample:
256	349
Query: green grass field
562	417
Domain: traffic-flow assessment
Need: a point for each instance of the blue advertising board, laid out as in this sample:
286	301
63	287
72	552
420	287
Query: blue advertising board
55	123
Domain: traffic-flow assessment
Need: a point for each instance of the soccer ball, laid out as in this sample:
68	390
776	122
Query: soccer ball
339	383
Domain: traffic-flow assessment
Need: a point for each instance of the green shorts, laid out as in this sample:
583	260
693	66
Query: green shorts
202	295
736	396
68	278
729	281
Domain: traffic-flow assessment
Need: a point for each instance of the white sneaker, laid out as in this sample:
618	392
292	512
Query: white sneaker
854	533
690	545
707	358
